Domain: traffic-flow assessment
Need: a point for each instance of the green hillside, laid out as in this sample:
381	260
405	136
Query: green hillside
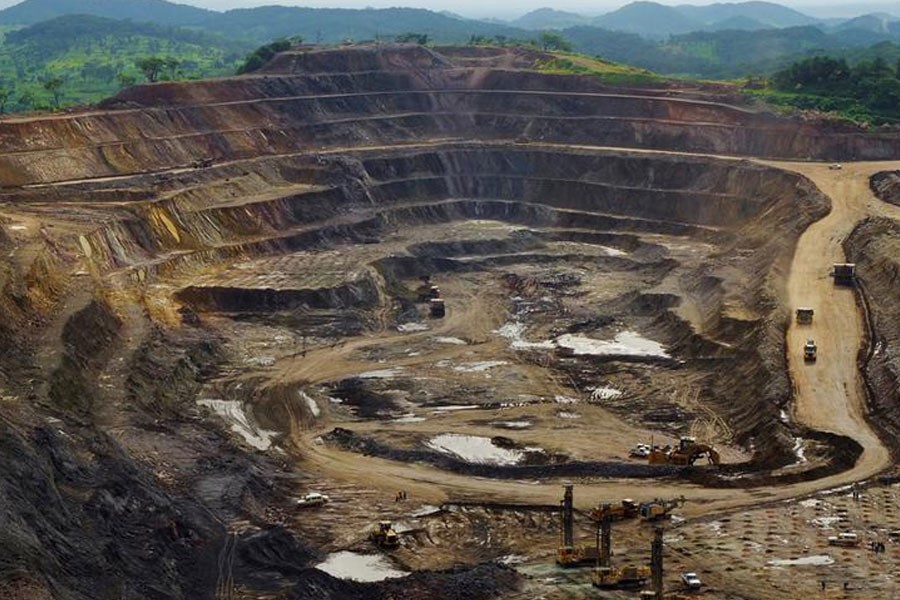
82	59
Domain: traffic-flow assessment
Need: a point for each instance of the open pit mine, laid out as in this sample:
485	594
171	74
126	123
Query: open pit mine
410	323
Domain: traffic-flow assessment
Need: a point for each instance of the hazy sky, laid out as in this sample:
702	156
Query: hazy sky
509	8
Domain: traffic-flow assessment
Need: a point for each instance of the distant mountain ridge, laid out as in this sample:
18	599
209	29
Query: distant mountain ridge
151	11
266	23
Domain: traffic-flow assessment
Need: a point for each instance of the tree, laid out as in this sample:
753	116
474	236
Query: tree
125	80
172	65
151	67
555	42
26	99
412	38
5	96
259	57
54	86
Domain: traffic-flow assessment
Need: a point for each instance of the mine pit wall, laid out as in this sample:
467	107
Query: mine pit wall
676	196
172	125
886	185
874	245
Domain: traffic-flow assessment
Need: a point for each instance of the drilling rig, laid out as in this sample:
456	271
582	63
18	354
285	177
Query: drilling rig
570	555
605	575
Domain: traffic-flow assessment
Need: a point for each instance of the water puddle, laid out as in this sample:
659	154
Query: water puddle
233	412
381	373
409	418
359	567
565	400
311	403
816	560
479	367
626	343
451	340
474	449
515	333
512	424
456	407
825	522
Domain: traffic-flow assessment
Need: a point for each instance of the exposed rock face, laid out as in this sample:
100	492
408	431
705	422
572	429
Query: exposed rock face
886	186
875	248
145	237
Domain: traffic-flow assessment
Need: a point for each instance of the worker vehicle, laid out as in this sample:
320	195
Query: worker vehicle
686	453
835	166
384	535
438	309
691	581
640	451
810	350
312	499
847	539
804	316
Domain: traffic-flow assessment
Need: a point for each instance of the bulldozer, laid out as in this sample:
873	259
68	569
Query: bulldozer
686	453
384	535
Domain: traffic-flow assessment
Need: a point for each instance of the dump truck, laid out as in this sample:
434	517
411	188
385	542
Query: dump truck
437	308
844	273
810	351
804	315
384	535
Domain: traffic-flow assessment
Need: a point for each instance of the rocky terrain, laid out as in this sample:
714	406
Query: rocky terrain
215	300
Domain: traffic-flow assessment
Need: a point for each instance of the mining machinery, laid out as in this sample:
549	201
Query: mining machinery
607	576
384	535
568	554
686	453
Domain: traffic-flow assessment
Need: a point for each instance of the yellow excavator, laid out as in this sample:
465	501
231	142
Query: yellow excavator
686	453
384	535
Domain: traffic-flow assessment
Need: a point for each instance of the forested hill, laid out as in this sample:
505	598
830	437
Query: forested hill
82	58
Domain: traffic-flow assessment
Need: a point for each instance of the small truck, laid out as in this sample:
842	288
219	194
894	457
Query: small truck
809	351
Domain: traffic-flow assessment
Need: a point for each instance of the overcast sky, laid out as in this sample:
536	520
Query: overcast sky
510	8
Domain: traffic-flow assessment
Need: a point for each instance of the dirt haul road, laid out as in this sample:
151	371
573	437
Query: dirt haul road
829	394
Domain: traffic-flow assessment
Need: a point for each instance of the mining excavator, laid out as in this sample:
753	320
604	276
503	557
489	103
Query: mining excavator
686	453
384	535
